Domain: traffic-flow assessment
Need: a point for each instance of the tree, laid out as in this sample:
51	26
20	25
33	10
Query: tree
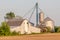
4	29
10	15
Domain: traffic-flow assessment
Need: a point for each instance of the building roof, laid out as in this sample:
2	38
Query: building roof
15	22
47	19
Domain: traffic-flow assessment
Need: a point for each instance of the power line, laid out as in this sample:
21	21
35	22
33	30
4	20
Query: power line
28	11
32	14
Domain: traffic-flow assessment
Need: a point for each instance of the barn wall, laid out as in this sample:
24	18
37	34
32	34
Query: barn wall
34	29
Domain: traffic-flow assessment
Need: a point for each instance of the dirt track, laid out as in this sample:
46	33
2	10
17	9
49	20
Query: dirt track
53	36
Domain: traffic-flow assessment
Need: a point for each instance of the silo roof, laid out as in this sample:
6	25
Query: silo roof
48	19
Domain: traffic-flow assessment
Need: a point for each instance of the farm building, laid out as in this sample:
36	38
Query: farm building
46	22
22	25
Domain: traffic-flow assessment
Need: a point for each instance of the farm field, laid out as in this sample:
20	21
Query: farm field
47	36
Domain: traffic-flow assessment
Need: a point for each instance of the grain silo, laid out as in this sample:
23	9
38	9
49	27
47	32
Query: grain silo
41	17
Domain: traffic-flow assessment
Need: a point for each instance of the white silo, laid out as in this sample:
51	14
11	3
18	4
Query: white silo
41	17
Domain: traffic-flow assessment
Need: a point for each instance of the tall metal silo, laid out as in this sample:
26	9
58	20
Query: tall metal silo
37	14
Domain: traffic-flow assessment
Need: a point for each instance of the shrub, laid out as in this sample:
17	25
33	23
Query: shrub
48	29
57	29
15	33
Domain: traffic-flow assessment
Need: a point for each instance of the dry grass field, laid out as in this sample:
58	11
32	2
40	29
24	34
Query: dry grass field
48	36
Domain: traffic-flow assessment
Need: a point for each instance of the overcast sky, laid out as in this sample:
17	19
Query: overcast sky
51	8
